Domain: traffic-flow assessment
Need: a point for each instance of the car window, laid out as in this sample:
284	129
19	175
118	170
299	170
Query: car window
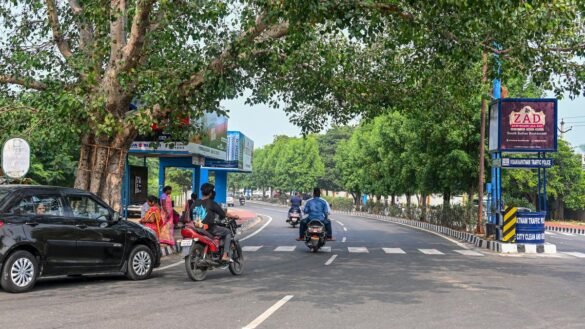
39	205
85	207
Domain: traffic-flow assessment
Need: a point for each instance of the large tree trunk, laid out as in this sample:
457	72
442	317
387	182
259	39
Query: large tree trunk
423	214
101	165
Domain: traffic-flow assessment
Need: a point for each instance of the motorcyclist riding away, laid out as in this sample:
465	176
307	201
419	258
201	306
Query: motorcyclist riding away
213	214
296	202
316	209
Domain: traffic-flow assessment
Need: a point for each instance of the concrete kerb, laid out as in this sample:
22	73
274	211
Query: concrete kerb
170	250
572	230
495	246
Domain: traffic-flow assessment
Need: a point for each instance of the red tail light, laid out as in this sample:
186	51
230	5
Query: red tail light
1	223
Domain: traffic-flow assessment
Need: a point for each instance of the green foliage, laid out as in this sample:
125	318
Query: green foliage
342	204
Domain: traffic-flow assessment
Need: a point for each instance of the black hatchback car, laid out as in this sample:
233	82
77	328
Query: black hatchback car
46	231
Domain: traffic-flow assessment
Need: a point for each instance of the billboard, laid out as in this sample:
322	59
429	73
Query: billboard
523	125
138	184
16	158
239	153
211	141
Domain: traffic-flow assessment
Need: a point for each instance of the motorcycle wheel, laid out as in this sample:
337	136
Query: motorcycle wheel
294	225
194	273
237	267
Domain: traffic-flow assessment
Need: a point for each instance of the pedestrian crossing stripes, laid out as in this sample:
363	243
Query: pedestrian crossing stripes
285	248
358	250
251	248
431	252
393	251
468	252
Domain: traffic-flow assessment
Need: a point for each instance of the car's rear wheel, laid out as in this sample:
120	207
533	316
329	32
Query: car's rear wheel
20	272
140	263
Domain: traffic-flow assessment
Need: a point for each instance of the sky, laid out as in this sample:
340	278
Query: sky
261	123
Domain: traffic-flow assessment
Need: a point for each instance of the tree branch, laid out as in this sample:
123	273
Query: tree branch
140	24
84	30
117	29
260	30
27	83
62	44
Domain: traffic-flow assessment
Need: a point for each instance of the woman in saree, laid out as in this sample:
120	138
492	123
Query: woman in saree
167	234
153	218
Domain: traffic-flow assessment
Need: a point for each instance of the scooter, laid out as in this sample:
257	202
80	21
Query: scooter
316	235
294	217
202	251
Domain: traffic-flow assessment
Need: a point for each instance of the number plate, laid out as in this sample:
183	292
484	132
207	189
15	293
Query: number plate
186	243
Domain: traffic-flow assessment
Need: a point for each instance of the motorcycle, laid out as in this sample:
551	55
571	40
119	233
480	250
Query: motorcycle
242	201
202	251
294	217
316	235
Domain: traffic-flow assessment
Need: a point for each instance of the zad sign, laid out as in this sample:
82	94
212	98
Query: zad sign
523	125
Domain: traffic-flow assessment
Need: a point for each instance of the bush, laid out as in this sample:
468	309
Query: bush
341	204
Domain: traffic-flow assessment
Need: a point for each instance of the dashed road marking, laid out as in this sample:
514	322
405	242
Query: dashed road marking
431	252
258	321
325	249
345	229
330	260
393	251
358	250
469	253
251	248
285	248
344	239
340	223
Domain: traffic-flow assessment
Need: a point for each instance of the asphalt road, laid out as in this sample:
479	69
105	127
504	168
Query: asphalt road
419	281
567	242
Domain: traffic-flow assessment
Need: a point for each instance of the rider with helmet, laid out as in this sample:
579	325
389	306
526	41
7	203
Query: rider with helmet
316	209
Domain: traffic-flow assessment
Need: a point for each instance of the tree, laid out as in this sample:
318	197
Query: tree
328	143
178	59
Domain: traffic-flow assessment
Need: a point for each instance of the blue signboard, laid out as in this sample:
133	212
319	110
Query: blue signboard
530	227
523	163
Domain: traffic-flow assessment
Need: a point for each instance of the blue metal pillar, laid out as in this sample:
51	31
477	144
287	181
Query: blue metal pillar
126	189
162	167
496	174
220	186
195	182
203	177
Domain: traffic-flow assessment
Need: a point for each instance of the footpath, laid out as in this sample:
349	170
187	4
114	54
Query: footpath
564	227
247	219
478	241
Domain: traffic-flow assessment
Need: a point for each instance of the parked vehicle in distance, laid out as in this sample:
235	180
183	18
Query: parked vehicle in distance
230	201
46	231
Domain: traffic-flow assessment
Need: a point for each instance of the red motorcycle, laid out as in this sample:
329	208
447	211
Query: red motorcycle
203	251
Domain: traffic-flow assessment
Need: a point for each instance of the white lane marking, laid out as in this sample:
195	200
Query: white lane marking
344	239
469	253
575	254
267	313
258	230
285	248
169	266
358	250
431	252
330	260
251	248
325	249
461	245
340	223
550	233
393	251
567	234
345	229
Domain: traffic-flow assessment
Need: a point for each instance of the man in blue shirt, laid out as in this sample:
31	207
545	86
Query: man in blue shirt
318	209
296	202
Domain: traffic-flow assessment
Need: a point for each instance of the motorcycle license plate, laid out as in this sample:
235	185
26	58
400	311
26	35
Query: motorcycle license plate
186	243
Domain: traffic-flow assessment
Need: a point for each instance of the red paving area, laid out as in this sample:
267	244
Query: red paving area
565	225
244	214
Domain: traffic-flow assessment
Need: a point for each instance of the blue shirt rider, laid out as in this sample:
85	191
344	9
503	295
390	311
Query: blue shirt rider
318	209
296	202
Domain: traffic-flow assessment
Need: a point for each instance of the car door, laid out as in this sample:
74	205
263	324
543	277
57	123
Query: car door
47	227
100	242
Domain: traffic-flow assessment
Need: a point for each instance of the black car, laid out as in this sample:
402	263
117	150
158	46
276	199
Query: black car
46	231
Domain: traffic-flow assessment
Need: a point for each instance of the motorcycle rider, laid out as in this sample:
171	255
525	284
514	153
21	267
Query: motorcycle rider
296	202
316	209
215	213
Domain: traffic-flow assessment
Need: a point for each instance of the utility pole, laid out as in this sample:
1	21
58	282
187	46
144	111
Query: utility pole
562	128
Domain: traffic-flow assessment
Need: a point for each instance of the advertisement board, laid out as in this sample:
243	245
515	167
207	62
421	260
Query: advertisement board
138	184
239	154
524	125
211	141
